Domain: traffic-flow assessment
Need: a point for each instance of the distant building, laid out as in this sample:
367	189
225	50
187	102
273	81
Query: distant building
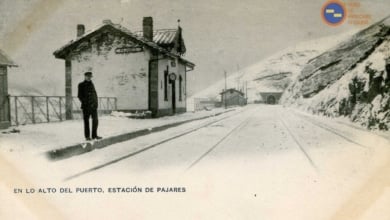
231	97
145	70
271	98
5	114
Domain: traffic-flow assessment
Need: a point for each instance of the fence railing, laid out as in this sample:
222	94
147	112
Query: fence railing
44	109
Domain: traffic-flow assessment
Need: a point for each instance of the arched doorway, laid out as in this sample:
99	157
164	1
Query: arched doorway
271	100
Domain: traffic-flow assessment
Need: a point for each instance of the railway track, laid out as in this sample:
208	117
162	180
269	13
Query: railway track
302	147
166	140
299	144
330	129
317	124
236	128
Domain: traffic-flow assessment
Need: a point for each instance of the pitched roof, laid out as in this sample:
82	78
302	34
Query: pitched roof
64	50
169	39
232	90
161	36
5	60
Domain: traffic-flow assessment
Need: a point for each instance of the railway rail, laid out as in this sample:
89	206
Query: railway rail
154	145
331	130
299	144
228	134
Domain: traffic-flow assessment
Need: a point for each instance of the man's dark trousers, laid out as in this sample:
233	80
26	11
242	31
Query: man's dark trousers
87	113
89	104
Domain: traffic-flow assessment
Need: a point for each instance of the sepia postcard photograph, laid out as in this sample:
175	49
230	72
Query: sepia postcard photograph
178	109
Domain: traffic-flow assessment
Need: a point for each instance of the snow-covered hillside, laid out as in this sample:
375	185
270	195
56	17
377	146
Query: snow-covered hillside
350	80
274	73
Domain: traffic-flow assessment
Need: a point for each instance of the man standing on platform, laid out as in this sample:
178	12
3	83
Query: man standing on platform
89	104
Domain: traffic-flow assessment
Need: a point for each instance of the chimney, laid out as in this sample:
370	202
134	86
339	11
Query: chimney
147	27
80	30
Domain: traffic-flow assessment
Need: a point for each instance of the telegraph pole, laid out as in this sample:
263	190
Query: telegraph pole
224	93
238	78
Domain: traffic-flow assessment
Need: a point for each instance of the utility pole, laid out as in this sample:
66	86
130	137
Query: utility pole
224	93
238	78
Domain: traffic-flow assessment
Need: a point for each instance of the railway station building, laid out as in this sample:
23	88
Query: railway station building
233	97
145	70
5	114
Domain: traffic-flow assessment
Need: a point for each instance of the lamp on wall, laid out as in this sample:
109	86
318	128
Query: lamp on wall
173	63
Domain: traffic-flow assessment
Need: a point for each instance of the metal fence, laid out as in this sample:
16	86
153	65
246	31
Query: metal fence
44	109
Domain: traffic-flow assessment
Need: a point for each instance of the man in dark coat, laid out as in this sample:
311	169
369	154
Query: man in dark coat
89	104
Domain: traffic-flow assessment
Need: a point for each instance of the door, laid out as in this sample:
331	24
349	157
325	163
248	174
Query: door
173	83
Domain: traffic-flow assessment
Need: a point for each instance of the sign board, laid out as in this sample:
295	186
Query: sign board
125	50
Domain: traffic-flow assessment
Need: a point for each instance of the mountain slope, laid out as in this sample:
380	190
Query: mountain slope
349	80
274	73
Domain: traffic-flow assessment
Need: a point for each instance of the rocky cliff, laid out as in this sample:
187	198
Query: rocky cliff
351	79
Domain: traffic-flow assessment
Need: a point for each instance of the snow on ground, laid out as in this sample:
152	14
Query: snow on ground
343	120
39	138
261	171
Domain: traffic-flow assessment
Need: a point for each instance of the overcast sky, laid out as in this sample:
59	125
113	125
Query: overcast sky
219	35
